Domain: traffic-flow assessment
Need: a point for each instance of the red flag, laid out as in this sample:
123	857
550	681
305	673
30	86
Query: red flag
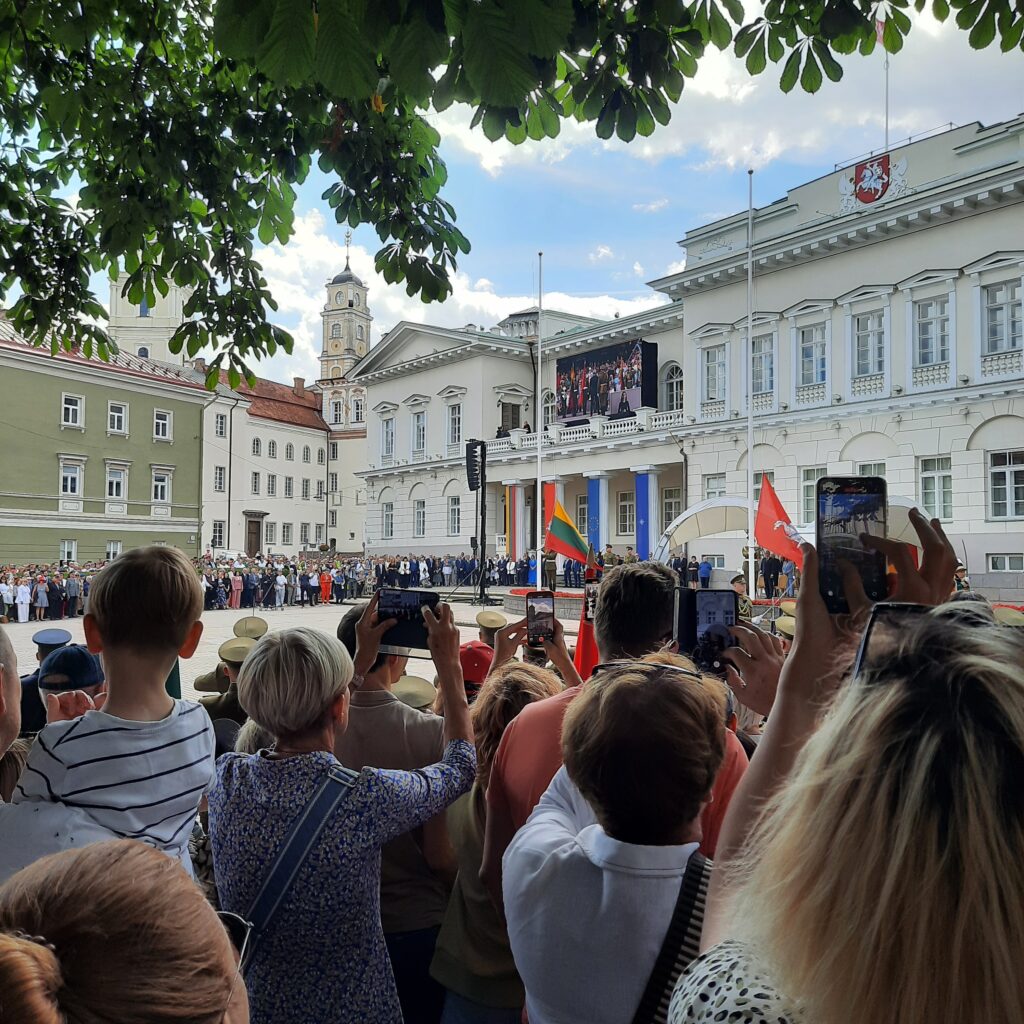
586	656
773	529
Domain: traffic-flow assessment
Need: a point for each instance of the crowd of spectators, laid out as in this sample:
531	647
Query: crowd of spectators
834	837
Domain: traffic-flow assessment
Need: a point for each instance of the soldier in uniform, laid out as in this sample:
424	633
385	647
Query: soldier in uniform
33	712
217	681
490	622
232	654
746	606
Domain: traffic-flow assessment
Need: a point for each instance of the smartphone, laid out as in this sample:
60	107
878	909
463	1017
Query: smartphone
886	629
684	619
590	589
409	633
717	610
847	507
540	617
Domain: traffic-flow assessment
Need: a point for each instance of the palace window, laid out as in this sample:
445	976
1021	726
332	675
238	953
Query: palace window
763	359
714	373
1002	318
813	355
869	344
931	332
1006	483
936	486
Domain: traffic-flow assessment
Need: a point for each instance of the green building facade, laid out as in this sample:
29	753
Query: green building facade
95	458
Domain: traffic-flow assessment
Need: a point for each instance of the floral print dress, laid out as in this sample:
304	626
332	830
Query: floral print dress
323	959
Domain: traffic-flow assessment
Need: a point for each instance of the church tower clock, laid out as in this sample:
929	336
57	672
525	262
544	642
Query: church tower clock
346	322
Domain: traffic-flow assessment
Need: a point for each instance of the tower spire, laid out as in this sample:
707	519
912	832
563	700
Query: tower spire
348	243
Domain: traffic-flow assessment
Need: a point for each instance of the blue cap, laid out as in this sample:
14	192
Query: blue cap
81	667
51	638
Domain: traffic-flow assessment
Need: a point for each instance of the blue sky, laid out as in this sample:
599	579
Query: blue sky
608	216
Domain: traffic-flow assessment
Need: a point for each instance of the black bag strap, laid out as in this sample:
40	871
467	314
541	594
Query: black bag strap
337	784
681	945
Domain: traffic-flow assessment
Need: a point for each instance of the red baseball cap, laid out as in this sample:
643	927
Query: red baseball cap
476	658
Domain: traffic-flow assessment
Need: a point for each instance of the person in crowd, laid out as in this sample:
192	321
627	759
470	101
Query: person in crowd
111	769
73	590
550	570
704	571
633	618
304	591
743	602
532	577
417	867
473	960
322	957
489	622
71	947
33	707
569	882
693	573
232	654
771	567
12	764
69	668
789	571
866	860
40	598
475	657
960	580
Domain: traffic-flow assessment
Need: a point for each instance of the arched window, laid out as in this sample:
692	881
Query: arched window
272	449
359	331
339	298
321	456
549	408
257	448
672	389
306	453
143	352
335	330
289	452
335	371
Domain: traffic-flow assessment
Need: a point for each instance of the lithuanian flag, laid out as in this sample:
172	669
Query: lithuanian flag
563	537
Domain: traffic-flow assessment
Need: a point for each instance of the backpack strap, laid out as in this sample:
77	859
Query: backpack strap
307	828
681	945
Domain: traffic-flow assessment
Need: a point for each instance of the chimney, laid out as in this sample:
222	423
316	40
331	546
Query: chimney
299	386
200	364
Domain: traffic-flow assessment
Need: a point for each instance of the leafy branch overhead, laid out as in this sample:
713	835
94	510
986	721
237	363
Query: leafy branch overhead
165	139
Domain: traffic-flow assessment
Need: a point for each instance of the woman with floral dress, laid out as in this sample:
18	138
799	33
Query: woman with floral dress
323	956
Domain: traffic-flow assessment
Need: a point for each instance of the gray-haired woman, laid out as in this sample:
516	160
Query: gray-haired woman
323	956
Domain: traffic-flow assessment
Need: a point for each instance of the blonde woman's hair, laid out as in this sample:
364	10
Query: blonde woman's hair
290	680
252	738
505	692
113	932
146	600
884	881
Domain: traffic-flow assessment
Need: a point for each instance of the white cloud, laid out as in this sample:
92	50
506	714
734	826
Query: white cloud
601	254
727	118
675	267
652	207
638	268
297	274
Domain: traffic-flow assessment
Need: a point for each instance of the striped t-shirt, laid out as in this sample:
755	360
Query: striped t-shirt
140	780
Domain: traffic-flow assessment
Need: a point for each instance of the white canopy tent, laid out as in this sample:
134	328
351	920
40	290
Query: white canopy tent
729	515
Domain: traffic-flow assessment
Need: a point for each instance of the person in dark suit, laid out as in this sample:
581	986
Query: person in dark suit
771	566
33	711
594	394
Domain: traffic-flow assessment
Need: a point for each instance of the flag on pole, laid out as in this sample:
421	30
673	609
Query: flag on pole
563	538
879	31
773	529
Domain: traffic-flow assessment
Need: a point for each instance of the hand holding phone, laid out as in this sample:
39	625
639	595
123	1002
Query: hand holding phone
849	507
540	617
409	633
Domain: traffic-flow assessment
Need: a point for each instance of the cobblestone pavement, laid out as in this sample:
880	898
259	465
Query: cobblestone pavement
218	626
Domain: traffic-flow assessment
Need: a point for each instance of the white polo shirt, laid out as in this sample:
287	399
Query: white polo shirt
587	914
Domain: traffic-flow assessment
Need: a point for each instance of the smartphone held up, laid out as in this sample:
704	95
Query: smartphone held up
540	617
847	509
409	633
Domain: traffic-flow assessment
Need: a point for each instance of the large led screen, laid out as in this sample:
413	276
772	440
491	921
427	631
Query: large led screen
612	381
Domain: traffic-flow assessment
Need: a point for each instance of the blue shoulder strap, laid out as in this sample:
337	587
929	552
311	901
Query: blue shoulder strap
338	783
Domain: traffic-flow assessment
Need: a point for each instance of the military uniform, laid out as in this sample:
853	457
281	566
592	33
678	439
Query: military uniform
226	704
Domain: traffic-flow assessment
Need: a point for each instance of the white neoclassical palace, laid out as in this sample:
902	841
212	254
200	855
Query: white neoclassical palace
887	339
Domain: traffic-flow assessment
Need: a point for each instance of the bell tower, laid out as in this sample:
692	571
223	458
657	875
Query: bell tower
346	322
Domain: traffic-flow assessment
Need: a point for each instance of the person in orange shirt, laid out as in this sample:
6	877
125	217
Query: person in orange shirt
634	617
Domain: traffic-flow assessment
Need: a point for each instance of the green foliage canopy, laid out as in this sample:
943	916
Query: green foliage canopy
186	127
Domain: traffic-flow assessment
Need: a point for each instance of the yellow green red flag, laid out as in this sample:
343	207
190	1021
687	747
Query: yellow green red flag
563	537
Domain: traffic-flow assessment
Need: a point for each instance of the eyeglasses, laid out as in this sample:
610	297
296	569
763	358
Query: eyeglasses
239	932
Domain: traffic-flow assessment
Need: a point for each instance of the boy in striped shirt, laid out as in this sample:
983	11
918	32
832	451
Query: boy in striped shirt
137	763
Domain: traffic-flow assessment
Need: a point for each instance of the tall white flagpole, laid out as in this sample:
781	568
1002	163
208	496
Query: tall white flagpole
538	428
749	351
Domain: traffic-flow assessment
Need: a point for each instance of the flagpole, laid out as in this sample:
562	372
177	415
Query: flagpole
539	416
751	548
886	99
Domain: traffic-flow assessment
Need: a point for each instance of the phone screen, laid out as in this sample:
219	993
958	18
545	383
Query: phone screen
410	632
684	629
540	617
590	600
717	610
847	508
886	630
